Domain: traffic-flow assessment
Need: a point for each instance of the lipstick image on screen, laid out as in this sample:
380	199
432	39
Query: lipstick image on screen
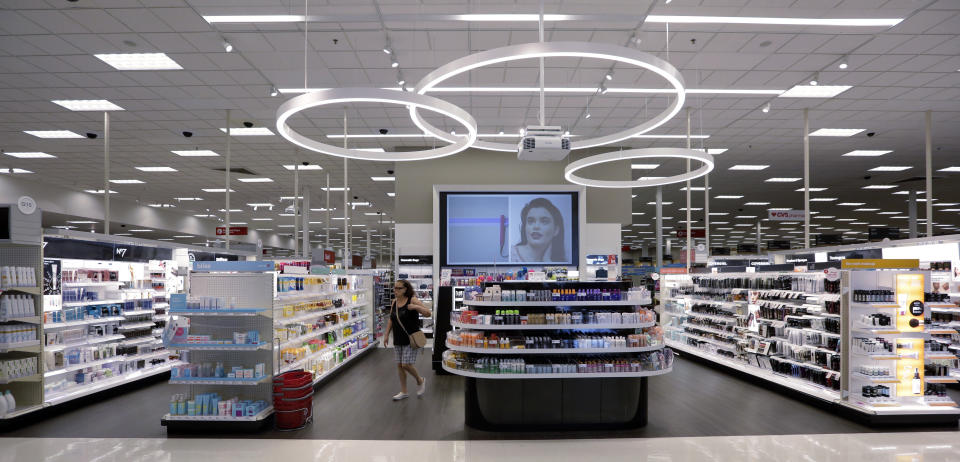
503	234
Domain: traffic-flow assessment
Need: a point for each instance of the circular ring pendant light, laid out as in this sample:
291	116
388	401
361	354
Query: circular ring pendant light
556	49
375	95
675	153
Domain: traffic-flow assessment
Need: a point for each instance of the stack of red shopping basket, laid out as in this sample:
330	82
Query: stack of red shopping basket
293	399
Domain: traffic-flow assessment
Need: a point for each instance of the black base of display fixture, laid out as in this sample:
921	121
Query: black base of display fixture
183	428
58	409
873	420
555	404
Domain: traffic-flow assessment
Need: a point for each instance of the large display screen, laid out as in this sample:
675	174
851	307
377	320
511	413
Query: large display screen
509	228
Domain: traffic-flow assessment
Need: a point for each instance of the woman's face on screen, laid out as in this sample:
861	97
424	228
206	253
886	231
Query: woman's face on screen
540	228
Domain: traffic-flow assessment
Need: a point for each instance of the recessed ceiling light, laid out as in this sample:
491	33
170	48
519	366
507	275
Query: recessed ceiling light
853	22
865	210
692	209
188	198
255	180
836	132
259	204
880	186
825	217
390	194
196	153
164	239
748	167
262	219
745	217
694	188
64	227
644	166
237	223
858	223
664	203
303	167
126	181
217	190
248	131
53	133
156	169
812	189
823	199
866	153
946	204
31	155
14	170
87	105
889	168
851	204
728	197
949	169
232	210
846	219
814	91
82	222
781	180
950	210
98	191
778	209
333	189
383	178
139	61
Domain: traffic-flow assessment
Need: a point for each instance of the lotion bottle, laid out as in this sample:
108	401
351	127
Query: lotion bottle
11	403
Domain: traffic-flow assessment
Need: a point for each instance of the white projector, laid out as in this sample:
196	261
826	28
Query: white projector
541	143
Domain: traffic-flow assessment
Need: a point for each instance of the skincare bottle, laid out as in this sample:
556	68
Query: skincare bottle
11	403
3	407
916	385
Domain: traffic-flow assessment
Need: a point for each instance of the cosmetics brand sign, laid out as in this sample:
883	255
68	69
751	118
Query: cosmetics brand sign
786	215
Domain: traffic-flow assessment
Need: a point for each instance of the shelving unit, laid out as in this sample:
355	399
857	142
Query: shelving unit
325	336
494	373
27	390
248	289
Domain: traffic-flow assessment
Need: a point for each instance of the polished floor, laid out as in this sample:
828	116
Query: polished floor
692	401
890	447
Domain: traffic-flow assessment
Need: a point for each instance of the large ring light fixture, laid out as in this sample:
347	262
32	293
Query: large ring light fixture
676	153
375	95
556	49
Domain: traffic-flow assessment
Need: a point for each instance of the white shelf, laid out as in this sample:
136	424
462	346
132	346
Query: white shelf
135	326
83	322
233	312
92	302
299	340
217	347
219	381
552	303
316	314
553	326
139	340
92	284
725	346
104	339
327	373
300	362
114	359
550	351
27	290
716	317
84	390
217	418
575	375
26	378
24	319
285	299
875	378
19	411
137	312
4	347
808	388
730	334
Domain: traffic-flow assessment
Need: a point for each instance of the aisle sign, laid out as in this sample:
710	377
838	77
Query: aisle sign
234	230
682	233
27	205
786	215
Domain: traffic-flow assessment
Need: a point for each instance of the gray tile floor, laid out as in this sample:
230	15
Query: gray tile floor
693	400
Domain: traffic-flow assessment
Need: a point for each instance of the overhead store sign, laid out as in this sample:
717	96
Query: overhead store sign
879	233
234	230
881	263
682	233
786	215
416	259
873	254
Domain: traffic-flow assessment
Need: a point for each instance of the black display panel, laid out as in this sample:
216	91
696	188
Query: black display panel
509	228
89	250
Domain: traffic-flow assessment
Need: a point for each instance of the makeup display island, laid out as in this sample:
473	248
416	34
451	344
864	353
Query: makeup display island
872	344
555	355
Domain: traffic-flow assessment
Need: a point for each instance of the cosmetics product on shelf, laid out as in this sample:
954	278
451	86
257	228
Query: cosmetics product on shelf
17	276
647	361
555	317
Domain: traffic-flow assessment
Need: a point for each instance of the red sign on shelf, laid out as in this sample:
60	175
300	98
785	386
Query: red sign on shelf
234	230
682	233
329	256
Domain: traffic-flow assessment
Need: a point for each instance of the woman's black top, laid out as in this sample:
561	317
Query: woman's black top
410	319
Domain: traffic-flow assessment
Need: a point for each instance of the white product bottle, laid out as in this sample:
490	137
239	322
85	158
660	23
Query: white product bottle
3	407
5	276
5	307
917	384
11	403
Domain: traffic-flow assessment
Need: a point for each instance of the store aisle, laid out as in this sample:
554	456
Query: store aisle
692	401
894	447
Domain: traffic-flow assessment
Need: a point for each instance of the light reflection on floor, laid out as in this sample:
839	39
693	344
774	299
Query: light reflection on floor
874	447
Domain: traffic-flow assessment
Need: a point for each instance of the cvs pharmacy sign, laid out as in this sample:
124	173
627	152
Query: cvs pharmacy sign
786	215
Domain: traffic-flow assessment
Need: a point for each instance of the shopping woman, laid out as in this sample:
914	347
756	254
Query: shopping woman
404	321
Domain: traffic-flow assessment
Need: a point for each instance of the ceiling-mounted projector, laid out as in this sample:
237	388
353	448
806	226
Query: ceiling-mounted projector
543	143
